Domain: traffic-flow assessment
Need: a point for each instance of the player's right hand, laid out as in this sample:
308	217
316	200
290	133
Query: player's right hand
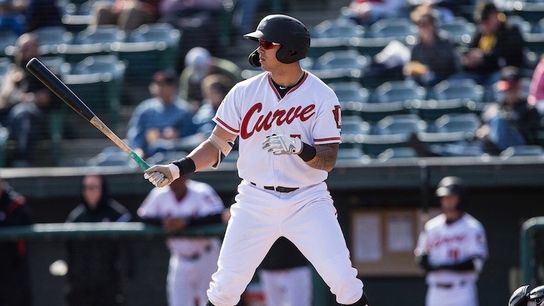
162	175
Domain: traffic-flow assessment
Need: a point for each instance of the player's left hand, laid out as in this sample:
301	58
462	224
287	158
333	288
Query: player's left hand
282	144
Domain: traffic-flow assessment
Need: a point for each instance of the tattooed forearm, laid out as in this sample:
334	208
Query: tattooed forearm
325	157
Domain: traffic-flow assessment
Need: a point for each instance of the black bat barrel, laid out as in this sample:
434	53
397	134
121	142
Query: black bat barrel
60	89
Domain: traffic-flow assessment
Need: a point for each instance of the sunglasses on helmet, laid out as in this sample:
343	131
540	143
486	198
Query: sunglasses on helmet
267	45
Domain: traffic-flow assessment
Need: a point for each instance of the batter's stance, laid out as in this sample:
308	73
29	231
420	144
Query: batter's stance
288	123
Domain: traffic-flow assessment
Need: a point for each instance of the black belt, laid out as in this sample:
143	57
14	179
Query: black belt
278	188
196	256
448	285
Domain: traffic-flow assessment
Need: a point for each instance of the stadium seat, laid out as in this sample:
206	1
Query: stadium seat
89	42
353	129
459	89
398	91
396	153
517	151
7	43
352	96
523	25
430	110
148	49
354	153
339	66
332	35
51	37
400	125
525	86
392	28
110	158
451	128
459	30
98	81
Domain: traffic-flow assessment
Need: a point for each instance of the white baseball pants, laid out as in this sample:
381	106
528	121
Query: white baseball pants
290	287
188	280
307	217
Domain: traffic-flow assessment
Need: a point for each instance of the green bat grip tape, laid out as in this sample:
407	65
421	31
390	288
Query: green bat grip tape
143	165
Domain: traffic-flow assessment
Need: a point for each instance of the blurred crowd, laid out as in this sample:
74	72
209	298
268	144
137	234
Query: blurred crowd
183	97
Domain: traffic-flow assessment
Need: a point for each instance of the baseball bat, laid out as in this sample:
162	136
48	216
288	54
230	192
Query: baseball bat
60	89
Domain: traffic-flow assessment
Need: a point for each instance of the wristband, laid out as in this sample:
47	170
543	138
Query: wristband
186	166
307	153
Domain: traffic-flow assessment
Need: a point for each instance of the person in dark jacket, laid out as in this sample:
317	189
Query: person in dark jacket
433	57
286	276
496	45
95	267
14	269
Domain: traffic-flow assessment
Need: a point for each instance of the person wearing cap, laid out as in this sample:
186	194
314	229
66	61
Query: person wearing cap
510	122
199	63
452	249
158	122
432	58
496	44
366	12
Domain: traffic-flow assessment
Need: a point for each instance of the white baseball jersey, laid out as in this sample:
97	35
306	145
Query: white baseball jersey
254	109
201	200
452	243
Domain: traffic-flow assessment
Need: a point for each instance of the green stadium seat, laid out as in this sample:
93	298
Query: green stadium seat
340	66
520	151
392	29
430	110
397	153
7	43
400	125
98	81
351	95
148	49
51	37
460	89
398	91
332	35
90	42
459	30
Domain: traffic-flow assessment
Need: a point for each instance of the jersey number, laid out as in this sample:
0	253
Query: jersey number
337	116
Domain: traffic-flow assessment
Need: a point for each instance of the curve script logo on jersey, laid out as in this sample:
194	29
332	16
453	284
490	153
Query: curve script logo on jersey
280	117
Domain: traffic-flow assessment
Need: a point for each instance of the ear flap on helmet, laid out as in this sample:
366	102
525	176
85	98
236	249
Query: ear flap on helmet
253	58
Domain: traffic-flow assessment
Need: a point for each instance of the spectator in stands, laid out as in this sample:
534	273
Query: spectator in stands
15	275
433	58
366	12
511	122
495	45
42	13
214	89
96	267
26	101
184	204
198	64
158	122
126	14
10	19
536	90
286	276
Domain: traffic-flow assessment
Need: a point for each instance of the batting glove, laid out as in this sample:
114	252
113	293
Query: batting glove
162	175
282	144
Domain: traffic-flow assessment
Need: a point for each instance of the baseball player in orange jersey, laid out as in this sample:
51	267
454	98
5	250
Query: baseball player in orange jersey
452	249
288	124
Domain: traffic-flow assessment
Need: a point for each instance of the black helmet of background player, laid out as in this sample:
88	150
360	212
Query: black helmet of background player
520	297
452	185
291	34
537	295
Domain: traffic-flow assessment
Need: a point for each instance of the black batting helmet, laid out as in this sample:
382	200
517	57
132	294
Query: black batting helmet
452	185
289	32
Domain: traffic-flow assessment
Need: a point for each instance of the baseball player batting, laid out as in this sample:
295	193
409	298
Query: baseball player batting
452	249
288	124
